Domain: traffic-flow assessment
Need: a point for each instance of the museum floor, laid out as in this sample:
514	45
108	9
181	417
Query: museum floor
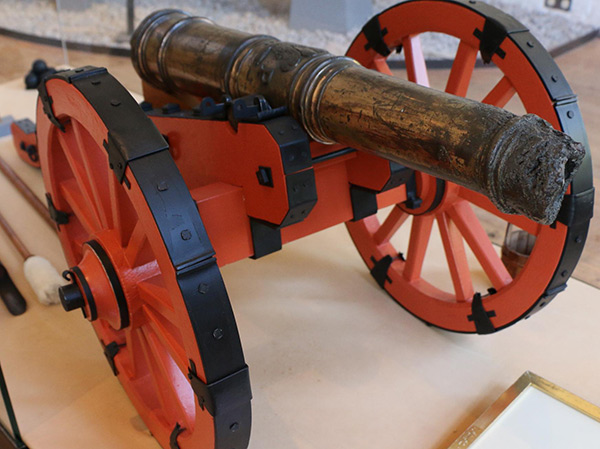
333	361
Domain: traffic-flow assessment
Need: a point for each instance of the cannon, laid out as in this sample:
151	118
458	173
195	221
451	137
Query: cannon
244	143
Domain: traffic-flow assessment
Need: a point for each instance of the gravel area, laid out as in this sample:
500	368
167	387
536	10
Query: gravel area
103	23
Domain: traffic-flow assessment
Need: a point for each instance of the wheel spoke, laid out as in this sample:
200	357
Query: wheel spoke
137	244
462	70
158	298
72	153
456	257
380	64
415	61
94	168
71	193
392	223
465	219
417	246
137	364
166	333
484	203
501	94
123	213
174	392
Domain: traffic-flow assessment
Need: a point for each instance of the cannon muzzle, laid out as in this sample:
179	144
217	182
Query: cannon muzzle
520	162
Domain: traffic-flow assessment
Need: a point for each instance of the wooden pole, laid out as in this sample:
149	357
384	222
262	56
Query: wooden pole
27	193
14	238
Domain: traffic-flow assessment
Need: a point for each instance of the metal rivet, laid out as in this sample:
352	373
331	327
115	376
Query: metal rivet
578	239
95	82
530	44
120	165
234	427
115	102
218	333
281	132
186	234
202	288
472	2
570	114
554	78
564	273
162	186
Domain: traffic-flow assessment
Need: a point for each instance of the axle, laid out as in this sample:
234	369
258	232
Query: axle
520	162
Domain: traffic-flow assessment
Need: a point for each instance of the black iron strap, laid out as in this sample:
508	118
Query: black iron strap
222	395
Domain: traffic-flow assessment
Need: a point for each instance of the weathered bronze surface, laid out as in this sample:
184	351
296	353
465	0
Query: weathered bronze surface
521	163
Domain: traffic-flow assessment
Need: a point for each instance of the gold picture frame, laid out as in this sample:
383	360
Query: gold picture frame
528	380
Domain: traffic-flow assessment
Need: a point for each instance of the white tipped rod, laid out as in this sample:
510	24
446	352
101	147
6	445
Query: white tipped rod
41	275
44	279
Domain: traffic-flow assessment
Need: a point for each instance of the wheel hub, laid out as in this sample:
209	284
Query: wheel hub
96	288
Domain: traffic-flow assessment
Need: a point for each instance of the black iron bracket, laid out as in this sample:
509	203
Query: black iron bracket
374	35
47	104
380	269
173	444
490	39
577	208
481	317
266	238
364	202
58	216
254	109
210	109
302	196
412	199
224	394
110	351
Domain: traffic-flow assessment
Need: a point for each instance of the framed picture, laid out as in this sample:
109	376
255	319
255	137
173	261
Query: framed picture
534	414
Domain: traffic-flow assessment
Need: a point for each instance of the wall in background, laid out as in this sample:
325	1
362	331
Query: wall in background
587	11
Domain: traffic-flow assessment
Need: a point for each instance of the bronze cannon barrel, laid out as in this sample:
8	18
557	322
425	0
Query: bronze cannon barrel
520	162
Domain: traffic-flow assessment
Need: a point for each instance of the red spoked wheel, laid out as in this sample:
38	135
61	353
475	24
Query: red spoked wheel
143	269
529	74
